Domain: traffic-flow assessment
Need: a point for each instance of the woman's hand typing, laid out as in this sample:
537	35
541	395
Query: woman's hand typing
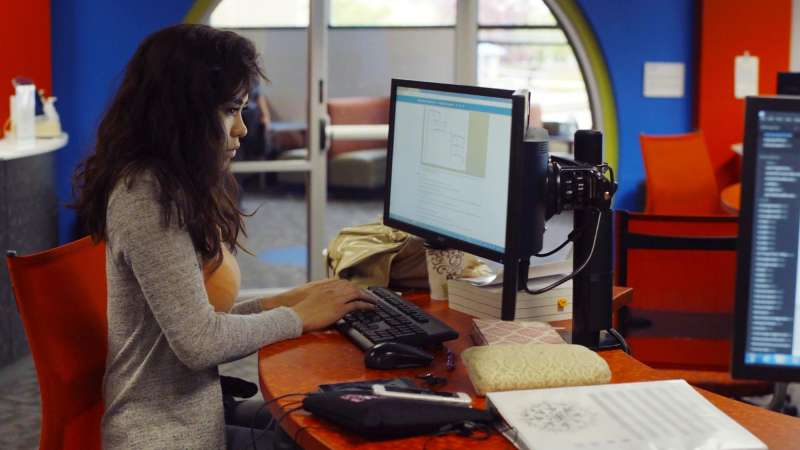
324	302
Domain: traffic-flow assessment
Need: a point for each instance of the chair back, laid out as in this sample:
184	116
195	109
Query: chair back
61	297
678	175
682	270
357	111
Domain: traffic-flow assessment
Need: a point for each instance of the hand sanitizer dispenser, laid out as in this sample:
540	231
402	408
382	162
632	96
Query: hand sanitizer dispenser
23	110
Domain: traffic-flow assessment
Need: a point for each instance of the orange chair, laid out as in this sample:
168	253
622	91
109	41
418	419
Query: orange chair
679	176
61	297
357	111
682	270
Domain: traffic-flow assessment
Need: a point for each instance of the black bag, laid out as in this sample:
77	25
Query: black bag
385	418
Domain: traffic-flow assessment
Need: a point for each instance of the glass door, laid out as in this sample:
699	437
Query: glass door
281	166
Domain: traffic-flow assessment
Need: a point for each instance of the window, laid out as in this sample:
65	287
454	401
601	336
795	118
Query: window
260	14
514	12
344	13
520	45
393	13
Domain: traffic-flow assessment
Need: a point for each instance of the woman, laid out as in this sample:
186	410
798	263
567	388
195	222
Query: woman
158	190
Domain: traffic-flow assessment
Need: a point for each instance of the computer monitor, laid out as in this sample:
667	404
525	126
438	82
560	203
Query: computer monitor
449	164
788	83
767	311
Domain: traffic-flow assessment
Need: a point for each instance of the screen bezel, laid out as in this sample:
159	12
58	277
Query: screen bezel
739	369
432	237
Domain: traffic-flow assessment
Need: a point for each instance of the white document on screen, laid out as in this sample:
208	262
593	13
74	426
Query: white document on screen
651	415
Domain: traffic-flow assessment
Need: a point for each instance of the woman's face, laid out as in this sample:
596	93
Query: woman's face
233	124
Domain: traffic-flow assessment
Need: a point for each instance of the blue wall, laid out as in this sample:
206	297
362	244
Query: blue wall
92	42
630	33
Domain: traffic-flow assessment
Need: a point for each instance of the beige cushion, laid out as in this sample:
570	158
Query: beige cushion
358	169
507	367
365	169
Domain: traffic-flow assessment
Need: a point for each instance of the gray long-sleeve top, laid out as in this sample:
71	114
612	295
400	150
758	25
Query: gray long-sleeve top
161	385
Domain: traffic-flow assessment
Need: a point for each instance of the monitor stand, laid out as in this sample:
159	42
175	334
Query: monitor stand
592	288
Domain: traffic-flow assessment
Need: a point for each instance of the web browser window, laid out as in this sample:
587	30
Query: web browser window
450	164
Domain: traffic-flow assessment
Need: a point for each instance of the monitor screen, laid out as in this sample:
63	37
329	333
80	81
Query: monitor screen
767	333
788	83
449	154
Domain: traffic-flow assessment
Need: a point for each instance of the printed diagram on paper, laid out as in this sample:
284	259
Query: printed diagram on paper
558	416
627	416
444	138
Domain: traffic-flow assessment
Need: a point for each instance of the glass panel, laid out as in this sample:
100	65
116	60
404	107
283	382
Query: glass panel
392	13
514	12
277	231
542	61
260	14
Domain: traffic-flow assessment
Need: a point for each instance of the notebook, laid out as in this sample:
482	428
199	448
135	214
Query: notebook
627	416
494	331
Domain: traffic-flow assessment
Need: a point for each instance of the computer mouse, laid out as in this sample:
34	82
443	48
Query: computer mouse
394	355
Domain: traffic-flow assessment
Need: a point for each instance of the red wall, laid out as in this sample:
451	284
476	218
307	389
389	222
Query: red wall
25	47
728	28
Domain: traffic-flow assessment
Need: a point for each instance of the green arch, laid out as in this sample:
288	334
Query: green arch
595	73
199	11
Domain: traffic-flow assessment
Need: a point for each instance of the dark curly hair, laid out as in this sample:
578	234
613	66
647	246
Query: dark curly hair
165	119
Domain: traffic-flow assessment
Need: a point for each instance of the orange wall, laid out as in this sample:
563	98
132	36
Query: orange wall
24	47
728	28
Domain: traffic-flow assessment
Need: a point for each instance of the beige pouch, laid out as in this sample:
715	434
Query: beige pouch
376	255
508	367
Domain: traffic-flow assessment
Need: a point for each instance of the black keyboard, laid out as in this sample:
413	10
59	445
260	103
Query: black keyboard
393	320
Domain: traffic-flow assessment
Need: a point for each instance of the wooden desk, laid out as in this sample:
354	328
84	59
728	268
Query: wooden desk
300	365
731	198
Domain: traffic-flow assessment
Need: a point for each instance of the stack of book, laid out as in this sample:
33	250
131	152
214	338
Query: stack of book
486	301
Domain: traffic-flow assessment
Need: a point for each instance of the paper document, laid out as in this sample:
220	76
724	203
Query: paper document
534	271
745	75
627	416
664	80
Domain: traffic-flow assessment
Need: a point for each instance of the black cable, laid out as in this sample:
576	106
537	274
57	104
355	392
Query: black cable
278	422
570	238
465	430
253	438
622	342
576	271
288	411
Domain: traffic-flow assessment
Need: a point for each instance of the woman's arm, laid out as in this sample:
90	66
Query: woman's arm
289	298
164	263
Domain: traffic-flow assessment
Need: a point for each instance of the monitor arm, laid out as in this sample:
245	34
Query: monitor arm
580	186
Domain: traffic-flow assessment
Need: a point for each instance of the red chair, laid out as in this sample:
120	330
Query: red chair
357	111
61	297
682	270
678	175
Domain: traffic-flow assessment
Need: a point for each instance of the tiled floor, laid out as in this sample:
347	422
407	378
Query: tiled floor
19	406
